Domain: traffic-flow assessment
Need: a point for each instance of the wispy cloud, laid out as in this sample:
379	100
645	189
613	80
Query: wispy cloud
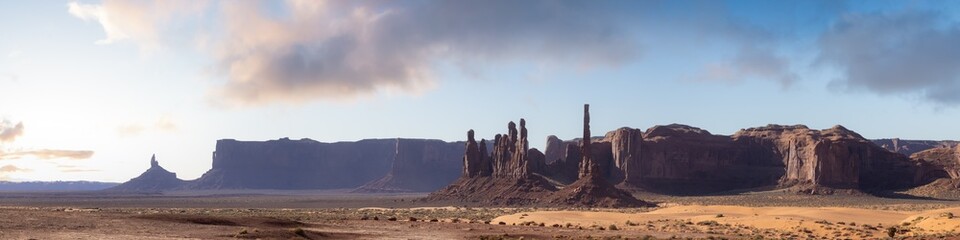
162	124
750	63
75	169
47	154
12	168
9	131
909	53
143	21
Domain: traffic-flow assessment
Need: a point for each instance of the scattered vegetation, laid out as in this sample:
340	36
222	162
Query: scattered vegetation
708	223
891	231
300	232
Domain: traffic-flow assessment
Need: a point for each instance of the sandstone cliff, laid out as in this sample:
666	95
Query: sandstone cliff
297	164
555	150
944	162
942	169
680	159
420	165
833	158
625	147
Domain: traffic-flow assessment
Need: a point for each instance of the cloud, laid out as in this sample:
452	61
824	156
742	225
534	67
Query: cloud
911	54
130	130
163	124
139	20
750	63
9	131
74	169
13	77
47	154
296	51
12	168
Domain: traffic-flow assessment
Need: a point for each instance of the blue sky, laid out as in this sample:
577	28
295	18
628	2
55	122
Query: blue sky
90	89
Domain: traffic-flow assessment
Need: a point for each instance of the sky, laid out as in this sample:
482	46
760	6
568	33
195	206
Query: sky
89	90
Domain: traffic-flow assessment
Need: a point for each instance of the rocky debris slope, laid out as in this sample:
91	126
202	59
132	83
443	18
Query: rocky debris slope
420	166
909	147
155	179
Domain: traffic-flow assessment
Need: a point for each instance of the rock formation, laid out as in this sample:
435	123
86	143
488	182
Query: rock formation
941	167
420	166
909	147
567	169
625	145
155	179
834	158
941	162
514	178
680	159
518	175
555	150
592	188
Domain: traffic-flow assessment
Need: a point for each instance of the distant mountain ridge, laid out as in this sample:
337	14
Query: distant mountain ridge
909	147
55	186
372	165
673	159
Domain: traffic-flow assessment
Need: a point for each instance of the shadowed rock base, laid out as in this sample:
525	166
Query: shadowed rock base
595	192
496	191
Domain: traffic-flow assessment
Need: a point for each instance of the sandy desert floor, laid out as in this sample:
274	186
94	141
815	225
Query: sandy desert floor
336	215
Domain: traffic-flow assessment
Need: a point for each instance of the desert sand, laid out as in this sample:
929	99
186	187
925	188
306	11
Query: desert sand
829	222
335	215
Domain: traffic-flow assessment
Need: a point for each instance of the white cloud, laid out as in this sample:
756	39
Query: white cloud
99	14
47	154
164	123
140	20
9	131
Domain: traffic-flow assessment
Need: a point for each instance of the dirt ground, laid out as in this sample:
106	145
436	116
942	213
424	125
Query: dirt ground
339	215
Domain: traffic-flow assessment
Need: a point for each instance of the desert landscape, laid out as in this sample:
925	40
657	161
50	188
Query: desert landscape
338	215
479	119
628	184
